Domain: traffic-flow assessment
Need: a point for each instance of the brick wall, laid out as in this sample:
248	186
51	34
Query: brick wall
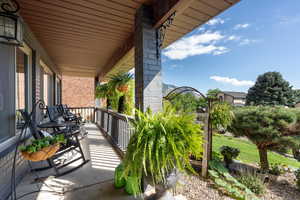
78	91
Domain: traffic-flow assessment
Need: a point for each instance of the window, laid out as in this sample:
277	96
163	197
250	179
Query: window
48	86
7	92
58	91
23	83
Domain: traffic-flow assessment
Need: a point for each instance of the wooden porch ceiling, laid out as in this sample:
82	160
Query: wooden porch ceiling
92	37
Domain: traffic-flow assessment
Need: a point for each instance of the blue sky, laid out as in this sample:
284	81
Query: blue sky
230	51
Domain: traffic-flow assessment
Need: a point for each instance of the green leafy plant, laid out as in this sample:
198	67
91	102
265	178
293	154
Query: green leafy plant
276	169
103	90
160	143
227	183
38	144
297	174
119	180
253	182
221	115
120	79
229	153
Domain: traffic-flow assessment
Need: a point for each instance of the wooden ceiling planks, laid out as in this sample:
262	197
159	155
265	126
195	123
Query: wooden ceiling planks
83	36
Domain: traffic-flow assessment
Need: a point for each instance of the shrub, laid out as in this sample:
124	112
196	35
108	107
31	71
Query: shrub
253	182
276	169
297	174
229	153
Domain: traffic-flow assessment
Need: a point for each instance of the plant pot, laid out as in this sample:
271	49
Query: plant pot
162	189
123	88
42	154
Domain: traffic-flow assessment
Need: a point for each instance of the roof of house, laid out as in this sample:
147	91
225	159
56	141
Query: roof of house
241	95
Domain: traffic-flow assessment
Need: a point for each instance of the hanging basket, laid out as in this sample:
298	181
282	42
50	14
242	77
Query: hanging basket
123	88
42	154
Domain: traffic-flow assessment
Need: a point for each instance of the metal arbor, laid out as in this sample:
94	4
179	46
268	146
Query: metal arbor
205	112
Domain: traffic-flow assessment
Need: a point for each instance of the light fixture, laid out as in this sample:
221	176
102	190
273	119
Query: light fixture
11	30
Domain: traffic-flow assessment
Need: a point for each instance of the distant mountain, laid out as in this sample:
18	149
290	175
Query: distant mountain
167	88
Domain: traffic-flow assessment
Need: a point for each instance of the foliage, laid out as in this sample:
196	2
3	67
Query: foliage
38	144
161	142
212	93
276	169
271	89
249	152
186	102
120	79
229	153
113	96
129	101
297	174
103	90
227	183
221	115
253	182
133	185
119	180
267	127
297	95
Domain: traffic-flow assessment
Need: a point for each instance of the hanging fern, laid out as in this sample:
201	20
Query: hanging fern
160	143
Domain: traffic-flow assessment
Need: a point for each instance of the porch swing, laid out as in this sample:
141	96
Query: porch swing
55	154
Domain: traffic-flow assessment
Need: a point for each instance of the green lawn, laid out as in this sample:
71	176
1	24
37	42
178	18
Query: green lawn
249	151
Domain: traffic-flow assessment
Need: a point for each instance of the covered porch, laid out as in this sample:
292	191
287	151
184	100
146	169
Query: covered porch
92	181
89	39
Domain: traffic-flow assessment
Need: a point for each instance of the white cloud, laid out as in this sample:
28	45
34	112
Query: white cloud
232	81
241	26
247	41
233	38
215	21
198	44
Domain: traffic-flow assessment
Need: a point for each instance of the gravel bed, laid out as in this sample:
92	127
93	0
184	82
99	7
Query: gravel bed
196	188
282	189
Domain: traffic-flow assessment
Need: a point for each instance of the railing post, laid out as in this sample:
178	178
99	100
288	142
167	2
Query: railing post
94	114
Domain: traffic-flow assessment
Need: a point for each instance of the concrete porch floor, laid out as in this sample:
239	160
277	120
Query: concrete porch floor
96	176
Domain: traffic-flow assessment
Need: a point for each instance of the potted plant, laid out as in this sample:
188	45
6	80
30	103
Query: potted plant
275	171
120	81
42	149
229	153
160	146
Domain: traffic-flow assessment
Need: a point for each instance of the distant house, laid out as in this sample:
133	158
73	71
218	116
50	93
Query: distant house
297	105
234	98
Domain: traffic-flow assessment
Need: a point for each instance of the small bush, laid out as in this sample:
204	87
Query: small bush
276	169
253	182
229	153
297	174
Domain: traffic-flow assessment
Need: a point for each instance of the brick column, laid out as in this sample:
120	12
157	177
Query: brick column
148	80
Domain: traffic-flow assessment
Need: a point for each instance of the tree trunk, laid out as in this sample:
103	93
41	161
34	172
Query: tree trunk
296	153
263	156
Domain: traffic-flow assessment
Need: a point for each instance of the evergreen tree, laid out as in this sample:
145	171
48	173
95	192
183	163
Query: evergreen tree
271	89
268	127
